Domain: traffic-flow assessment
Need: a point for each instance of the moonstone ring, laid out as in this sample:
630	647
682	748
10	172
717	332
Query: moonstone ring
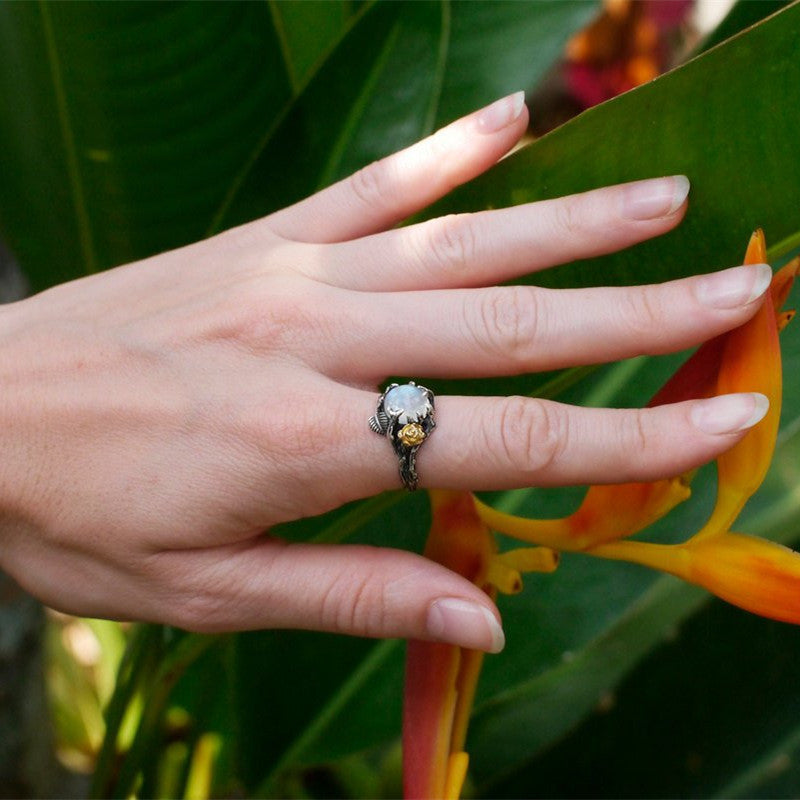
405	417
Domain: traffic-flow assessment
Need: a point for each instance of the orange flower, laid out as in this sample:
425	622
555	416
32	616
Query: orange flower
757	575
752	573
441	678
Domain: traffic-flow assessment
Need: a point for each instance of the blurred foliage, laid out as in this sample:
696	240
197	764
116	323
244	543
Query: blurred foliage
141	126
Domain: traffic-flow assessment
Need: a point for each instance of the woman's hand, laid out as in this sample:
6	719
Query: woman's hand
158	418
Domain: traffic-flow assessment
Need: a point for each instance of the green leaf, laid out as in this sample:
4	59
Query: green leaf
306	31
711	713
481	65
404	69
130	121
374	95
725	119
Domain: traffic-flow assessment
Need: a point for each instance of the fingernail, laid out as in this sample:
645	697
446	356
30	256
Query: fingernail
500	113
466	624
657	197
730	413
731	288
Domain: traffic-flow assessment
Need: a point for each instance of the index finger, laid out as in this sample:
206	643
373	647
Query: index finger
383	193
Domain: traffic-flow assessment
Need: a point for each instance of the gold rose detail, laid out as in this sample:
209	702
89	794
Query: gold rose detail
411	434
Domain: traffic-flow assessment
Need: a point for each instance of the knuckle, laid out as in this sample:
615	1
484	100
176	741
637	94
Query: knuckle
197	603
273	313
642	314
507	319
372	185
637	431
350	604
529	434
568	217
197	614
297	431
452	242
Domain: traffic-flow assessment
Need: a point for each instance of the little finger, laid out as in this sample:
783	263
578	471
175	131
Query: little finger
514	442
357	590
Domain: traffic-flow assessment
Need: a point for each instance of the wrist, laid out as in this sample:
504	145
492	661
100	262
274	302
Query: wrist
14	356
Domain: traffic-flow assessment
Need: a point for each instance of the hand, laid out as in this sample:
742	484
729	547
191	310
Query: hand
158	418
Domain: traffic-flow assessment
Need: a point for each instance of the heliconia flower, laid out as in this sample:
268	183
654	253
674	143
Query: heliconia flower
752	573
607	513
751	361
441	678
755	574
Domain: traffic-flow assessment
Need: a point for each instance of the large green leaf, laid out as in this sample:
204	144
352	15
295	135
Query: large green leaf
713	709
135	125
125	123
306	32
480	63
415	65
374	95
724	119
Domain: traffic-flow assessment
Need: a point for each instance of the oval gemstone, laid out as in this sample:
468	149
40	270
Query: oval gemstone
407	401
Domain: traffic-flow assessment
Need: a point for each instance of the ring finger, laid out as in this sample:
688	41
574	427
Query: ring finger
513	442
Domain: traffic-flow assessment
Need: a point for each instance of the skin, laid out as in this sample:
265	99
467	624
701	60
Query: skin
157	419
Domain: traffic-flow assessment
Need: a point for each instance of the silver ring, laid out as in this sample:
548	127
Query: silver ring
405	417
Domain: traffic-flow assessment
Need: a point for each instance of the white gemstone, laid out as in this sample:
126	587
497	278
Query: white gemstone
409	402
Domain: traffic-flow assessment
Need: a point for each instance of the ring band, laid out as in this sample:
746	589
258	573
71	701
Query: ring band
405	417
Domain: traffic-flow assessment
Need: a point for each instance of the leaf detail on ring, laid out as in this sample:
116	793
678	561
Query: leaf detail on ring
379	423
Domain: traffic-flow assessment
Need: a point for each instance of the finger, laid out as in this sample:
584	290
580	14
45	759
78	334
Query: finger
487	247
383	193
513	442
509	330
358	590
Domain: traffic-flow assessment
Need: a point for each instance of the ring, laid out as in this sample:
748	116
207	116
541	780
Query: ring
405	417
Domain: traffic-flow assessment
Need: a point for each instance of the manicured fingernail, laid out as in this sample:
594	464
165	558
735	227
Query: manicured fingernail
658	197
734	287
464	623
500	113
730	413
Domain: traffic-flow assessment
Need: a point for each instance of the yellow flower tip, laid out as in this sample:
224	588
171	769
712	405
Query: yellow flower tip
504	578
784	318
530	559
456	775
505	568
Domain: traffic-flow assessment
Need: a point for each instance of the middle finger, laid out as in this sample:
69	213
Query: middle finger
512	329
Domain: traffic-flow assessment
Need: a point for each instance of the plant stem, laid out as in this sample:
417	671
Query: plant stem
187	651
129	677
